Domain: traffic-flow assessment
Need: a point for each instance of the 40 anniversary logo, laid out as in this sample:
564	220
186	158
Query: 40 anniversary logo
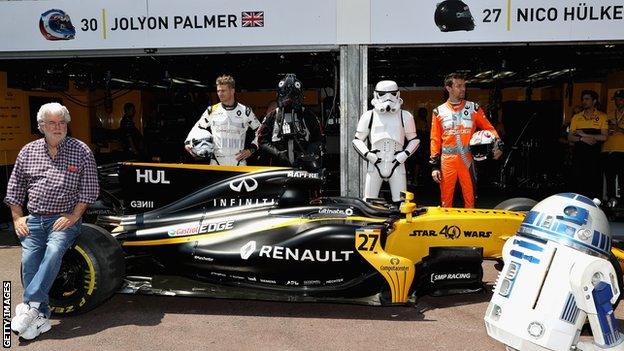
451	232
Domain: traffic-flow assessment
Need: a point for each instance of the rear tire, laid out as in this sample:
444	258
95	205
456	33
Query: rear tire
619	276
516	204
92	270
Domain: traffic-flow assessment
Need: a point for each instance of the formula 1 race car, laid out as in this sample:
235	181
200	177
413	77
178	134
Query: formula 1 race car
260	233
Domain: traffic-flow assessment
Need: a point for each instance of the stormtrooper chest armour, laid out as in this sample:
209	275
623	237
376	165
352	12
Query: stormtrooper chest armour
228	130
387	131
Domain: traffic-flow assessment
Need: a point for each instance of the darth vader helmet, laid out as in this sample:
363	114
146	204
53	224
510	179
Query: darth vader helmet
290	92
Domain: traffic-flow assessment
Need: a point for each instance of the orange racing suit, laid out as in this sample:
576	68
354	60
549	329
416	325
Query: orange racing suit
452	127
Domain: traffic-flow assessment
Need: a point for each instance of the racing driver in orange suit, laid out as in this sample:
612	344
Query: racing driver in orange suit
452	126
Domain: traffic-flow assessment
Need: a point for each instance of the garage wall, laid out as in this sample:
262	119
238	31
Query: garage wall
15	124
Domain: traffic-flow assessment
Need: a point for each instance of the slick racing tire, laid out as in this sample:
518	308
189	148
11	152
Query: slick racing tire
516	204
91	271
620	278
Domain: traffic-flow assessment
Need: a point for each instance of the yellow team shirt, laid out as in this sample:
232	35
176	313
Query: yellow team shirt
598	122
615	141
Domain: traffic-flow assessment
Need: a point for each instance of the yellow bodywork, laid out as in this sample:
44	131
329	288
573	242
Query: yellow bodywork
410	238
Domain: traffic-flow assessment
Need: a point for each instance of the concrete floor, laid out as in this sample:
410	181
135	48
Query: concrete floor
135	322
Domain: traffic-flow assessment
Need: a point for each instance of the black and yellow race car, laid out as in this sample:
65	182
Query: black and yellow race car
262	233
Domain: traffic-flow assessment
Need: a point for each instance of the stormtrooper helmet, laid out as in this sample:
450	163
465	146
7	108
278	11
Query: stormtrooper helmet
290	92
56	25
572	220
482	144
202	144
453	15
387	97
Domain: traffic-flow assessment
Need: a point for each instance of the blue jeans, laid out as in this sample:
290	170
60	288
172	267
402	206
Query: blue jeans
42	254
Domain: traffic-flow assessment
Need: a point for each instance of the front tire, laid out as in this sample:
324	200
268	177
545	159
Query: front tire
91	271
516	204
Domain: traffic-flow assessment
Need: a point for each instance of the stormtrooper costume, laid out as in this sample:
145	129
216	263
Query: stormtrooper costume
557	275
380	139
226	128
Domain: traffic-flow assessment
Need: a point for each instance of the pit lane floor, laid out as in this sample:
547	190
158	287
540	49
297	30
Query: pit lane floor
135	322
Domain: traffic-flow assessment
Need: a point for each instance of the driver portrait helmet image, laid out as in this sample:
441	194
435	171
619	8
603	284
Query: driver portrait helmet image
453	15
55	24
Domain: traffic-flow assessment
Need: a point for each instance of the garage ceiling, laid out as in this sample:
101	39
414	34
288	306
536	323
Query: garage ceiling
486	66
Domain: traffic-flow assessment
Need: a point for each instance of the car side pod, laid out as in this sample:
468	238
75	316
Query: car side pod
398	271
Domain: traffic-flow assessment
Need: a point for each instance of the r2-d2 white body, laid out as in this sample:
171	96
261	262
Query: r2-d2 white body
556	275
386	127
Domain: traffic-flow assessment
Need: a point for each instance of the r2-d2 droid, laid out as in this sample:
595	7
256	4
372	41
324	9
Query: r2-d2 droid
556	275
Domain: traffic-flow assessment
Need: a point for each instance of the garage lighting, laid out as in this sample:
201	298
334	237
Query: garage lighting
483	74
563	71
539	74
201	85
160	86
192	80
504	74
178	81
120	80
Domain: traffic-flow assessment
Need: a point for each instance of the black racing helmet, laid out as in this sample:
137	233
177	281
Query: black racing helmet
290	92
453	15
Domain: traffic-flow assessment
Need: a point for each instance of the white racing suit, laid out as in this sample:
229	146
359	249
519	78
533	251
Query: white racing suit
387	133
228	127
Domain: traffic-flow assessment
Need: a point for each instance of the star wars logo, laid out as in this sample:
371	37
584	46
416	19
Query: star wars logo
423	232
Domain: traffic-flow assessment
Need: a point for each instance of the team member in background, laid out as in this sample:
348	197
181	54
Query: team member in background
59	175
130	136
588	129
223	129
452	125
613	151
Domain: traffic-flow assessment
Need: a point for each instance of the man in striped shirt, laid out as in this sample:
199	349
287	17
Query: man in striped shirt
59	175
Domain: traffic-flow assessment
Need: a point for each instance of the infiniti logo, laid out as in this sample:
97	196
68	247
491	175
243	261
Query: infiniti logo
247	250
250	185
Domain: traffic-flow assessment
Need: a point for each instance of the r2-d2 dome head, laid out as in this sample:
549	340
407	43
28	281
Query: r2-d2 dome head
387	97
572	220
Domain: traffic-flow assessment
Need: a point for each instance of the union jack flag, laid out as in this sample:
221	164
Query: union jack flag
252	19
